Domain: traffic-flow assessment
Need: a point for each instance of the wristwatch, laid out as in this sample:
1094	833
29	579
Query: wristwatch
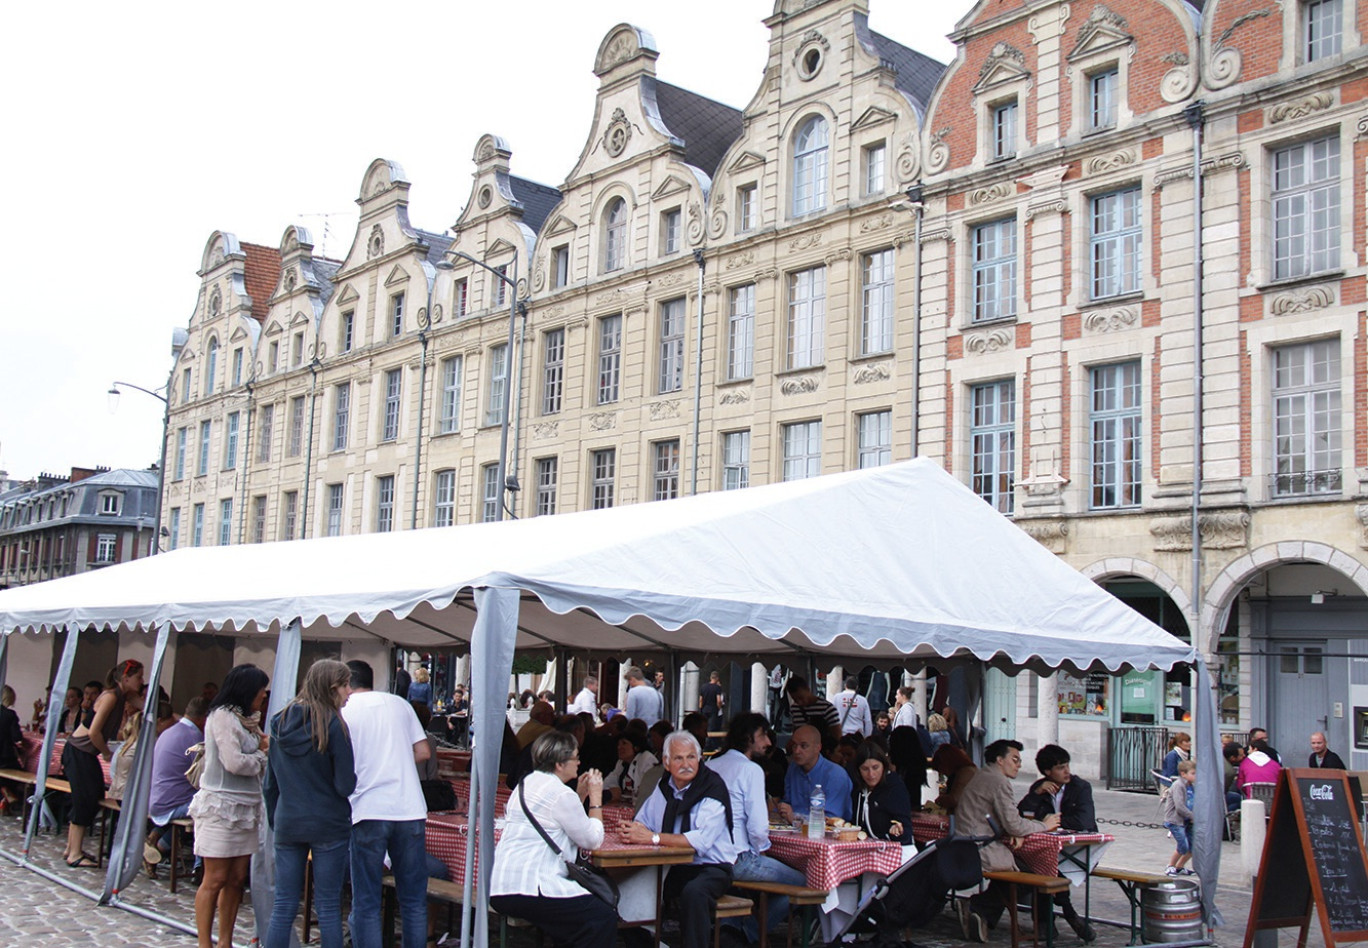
655	839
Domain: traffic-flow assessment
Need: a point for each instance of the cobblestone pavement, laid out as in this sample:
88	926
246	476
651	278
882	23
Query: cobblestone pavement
39	913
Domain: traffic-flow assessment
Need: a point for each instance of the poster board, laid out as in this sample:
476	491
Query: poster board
1313	861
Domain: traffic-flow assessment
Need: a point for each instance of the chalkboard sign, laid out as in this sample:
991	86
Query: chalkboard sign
1314	859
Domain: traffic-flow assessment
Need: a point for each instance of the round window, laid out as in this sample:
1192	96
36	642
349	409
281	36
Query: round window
486	196
809	62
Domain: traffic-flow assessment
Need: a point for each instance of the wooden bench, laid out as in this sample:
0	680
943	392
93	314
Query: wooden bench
25	778
449	893
109	809
800	897
1132	884
178	829
728	906
1040	885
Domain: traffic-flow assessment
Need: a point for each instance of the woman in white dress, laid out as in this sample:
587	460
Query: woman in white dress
228	809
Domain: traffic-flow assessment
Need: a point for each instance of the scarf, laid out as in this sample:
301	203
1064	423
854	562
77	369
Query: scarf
706	784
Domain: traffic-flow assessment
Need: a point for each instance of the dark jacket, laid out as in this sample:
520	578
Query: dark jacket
1332	761
10	738
306	792
886	804
1076	810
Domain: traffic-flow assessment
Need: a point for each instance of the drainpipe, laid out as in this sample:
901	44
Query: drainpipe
308	454
423	325
1195	120
511	479
912	201
698	374
245	447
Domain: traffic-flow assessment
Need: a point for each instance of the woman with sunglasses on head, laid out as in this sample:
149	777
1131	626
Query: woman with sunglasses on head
81	756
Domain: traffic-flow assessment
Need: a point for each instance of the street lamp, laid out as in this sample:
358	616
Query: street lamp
512	284
424	324
113	398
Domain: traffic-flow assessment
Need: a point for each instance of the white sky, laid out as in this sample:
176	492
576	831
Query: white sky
134	132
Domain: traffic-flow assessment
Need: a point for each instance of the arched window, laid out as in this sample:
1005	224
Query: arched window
211	367
810	166
615	235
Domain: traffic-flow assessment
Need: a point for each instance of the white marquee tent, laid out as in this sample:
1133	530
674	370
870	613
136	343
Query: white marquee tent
901	562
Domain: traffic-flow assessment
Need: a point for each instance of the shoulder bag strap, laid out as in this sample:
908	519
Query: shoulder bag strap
522	799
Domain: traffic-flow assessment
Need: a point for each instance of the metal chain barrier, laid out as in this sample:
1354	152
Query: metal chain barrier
1136	823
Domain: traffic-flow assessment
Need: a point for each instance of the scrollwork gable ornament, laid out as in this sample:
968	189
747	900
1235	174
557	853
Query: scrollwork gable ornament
938	154
695	229
1005	63
617	134
1226	61
1179	81
1103	29
908	165
375	245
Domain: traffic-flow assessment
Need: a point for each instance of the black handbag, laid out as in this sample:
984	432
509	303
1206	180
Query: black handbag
594	881
438	795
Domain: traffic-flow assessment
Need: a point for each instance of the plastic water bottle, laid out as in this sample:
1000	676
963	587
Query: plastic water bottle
816	827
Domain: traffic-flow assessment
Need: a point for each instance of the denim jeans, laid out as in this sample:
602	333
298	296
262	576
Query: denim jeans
329	871
405	840
757	867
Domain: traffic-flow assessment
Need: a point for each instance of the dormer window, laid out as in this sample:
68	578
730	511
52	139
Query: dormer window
397	314
1004	129
237	366
560	266
210	367
669	232
875	167
810	158
110	505
615	235
1102	97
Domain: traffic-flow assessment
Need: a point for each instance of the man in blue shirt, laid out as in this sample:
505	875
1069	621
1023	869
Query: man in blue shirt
643	701
690	807
807	769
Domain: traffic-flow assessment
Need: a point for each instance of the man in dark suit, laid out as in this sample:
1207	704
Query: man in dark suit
1059	791
1322	756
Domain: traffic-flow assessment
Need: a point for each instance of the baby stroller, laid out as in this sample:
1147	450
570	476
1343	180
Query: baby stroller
916	893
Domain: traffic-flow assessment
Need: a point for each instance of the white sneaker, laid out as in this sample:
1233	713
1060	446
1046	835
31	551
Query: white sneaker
1171	871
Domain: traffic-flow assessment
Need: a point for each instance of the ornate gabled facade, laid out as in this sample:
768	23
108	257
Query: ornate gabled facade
991	262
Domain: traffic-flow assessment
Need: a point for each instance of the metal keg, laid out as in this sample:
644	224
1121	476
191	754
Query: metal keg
1172	912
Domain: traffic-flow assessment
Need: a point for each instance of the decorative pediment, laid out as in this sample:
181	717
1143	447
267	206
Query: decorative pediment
1004	64
873	116
239	335
298	319
348	295
745	161
1102	31
671	185
500	246
273	328
396	277
559	225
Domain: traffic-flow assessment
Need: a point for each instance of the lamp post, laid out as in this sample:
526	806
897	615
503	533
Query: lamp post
508	368
113	397
424	324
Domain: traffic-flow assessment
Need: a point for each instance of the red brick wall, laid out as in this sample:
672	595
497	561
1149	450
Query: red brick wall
1259	39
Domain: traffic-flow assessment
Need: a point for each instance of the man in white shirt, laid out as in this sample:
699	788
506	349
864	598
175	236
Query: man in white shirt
854	710
388	811
905	714
643	701
748	738
587	699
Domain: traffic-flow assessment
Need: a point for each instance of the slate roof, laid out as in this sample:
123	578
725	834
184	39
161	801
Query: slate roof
262	274
917	73
708	128
325	268
537	200
436	244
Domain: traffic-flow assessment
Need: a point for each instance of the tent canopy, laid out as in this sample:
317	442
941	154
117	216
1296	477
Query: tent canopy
897	562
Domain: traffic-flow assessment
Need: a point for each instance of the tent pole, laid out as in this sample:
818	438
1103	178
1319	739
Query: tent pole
284	674
54	720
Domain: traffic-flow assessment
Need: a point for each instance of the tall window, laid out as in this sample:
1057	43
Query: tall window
1116	435
995	270
610	358
992	434
876	315
105	546
810	166
202	467
1306	219
348	328
603	467
560	266
1323	26
230	440
266	430
341	415
297	350
1306	418
462	303
444	499
384	504
741	332
225	521
397	314
394	386
296	444
334	510
875	167
745	208
210	367
489	496
197	525
1103	88
273	356
237	366
1116	243
553	370
672	346
500	285
1005	130
548	472
666	470
259	519
185	387
289	518
669	232
615	235
806	317
802	450
450	418
876	438
735	460
173	528
496	401
182	437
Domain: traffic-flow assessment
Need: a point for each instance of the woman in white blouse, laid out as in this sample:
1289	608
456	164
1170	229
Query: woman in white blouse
529	878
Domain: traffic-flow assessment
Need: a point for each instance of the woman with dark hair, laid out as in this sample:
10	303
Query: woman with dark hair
71	712
11	740
81	757
909	761
880	801
308	780
227	808
529	878
955	766
634	759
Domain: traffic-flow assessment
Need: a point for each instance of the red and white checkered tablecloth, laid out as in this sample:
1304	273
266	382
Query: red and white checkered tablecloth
33	749
1039	851
828	863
